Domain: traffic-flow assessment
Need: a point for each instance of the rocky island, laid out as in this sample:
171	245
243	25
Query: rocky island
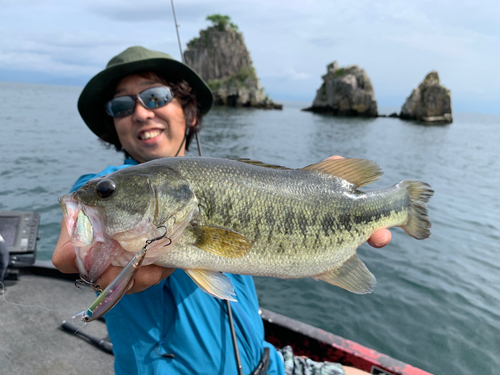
345	92
219	55
430	102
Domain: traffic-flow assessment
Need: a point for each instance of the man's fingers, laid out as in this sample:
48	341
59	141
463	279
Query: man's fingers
64	256
380	238
148	276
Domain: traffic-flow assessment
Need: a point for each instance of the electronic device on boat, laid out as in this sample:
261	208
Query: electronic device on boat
19	231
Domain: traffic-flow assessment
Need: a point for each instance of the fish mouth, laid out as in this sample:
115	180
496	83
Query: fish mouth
95	251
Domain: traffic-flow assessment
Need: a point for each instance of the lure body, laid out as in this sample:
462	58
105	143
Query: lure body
114	291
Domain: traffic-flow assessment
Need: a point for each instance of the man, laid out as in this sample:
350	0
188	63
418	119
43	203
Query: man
150	106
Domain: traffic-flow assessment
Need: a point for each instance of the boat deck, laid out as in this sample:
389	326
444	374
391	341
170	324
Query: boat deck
31	338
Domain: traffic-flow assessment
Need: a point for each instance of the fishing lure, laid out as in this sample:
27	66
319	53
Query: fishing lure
116	289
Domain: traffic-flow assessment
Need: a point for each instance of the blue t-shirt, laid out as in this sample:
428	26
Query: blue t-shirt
176	317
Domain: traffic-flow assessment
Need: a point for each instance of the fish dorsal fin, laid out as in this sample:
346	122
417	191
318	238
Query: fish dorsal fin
261	164
221	241
352	276
359	172
214	283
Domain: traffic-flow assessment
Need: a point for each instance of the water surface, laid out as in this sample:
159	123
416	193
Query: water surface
436	304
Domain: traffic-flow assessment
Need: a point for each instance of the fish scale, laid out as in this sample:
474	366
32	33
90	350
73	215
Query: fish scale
313	224
247	217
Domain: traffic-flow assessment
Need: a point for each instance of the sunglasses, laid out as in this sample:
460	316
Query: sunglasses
155	97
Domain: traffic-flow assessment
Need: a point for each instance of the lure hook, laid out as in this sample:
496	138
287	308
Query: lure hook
81	281
149	242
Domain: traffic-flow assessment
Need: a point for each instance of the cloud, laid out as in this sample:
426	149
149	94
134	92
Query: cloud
323	41
63	53
290	43
449	45
296	76
133	11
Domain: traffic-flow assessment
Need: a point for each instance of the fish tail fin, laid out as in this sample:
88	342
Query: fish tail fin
418	224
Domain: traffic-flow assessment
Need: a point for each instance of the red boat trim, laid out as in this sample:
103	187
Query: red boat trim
320	345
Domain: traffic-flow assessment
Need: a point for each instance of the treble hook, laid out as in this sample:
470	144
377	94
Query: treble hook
149	242
83	282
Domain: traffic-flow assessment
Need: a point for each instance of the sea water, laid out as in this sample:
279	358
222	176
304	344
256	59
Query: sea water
437	302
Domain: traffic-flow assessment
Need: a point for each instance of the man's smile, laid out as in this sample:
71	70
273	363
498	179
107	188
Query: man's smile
149	134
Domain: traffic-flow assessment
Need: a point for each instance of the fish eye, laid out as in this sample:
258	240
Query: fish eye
105	188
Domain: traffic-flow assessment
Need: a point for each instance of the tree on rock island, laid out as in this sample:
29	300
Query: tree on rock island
219	55
221	22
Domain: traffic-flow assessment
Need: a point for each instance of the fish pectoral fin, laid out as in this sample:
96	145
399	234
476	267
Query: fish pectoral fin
221	241
352	276
359	172
214	283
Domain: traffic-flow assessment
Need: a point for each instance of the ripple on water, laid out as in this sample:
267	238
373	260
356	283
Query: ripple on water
436	301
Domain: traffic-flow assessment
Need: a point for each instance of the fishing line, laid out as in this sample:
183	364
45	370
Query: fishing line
3	291
239	368
182	59
20	304
7	354
79	328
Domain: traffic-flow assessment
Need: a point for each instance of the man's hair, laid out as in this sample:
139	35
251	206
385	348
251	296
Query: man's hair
187	99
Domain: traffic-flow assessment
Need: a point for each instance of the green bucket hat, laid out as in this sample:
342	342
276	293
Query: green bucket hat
134	60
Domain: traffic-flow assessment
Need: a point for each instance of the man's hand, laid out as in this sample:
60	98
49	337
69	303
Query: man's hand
64	258
381	237
146	276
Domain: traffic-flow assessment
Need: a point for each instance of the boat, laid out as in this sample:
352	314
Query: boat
37	338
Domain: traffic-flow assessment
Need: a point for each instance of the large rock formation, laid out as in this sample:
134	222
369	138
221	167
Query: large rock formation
220	57
345	92
429	102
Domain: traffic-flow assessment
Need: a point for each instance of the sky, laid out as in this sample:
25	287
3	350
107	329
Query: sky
290	42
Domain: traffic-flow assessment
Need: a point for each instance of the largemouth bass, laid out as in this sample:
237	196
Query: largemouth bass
215	215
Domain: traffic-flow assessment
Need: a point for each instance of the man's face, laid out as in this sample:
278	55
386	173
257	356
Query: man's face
149	134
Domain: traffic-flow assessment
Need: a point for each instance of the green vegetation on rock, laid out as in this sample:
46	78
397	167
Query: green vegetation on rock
339	72
239	80
221	22
215	84
246	73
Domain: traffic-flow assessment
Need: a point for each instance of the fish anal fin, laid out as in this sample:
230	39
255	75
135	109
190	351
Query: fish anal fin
221	241
352	276
359	172
214	283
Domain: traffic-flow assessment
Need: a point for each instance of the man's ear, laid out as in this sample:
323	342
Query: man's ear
193	123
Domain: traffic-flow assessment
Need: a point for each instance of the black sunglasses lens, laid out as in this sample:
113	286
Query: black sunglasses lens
156	97
121	106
